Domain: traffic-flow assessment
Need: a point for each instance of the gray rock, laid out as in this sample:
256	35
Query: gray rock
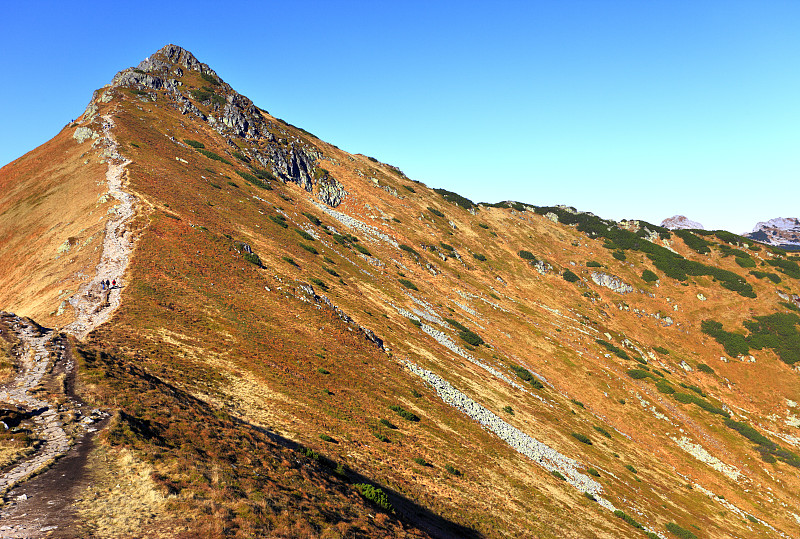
331	192
83	134
611	282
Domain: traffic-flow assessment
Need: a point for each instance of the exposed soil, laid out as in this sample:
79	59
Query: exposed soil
39	488
43	506
94	303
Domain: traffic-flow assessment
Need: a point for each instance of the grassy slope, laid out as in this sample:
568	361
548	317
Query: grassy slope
51	226
205	340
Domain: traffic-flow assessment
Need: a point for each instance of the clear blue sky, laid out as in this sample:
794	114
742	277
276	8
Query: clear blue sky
628	109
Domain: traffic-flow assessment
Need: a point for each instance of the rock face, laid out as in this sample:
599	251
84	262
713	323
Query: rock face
331	192
612	282
781	232
232	115
681	222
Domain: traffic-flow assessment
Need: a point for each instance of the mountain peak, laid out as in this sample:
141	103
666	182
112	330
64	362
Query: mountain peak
681	222
781	232
169	56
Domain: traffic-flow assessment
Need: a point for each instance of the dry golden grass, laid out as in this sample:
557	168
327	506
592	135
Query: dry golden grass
207	349
52	216
123	500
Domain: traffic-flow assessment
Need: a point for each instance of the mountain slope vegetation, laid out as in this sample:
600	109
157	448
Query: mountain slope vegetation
310	343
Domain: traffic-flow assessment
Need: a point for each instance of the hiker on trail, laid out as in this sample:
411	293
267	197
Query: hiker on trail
102	285
114	283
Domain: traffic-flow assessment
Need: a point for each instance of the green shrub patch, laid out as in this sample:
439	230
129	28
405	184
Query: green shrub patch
405	414
581	438
619	352
525	374
375	495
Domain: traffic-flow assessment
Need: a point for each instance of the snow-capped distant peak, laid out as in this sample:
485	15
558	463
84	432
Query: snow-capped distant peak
680	221
780	223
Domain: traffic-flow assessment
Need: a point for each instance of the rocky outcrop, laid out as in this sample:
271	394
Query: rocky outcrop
173	55
83	134
235	117
611	282
781	232
241	118
681	222
331	192
132	78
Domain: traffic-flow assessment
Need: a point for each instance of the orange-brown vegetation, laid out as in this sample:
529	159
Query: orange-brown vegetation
223	375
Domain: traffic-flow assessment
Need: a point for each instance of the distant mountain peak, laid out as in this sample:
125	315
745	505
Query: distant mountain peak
781	232
782	223
681	222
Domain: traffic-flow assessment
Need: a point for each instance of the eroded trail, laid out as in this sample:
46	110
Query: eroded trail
58	420
93	305
39	389
35	363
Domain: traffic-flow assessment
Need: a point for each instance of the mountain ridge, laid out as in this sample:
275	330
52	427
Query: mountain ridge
398	337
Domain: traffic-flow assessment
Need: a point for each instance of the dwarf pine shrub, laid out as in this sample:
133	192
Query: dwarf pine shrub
375	495
303	234
194	144
408	284
410	250
455	198
405	414
627	518
452	470
602	431
649	277
279	220
388	424
525	374
581	438
677	531
361	249
619	352
319	282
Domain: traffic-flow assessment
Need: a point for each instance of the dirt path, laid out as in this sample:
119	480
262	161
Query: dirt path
40	388
40	507
92	304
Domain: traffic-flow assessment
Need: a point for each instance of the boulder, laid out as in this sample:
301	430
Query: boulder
611	282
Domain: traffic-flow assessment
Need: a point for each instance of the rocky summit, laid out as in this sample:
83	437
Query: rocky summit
681	222
215	324
781	232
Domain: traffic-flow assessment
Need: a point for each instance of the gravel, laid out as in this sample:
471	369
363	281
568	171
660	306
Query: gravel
546	457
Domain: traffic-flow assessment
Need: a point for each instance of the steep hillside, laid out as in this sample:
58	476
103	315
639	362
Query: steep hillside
297	326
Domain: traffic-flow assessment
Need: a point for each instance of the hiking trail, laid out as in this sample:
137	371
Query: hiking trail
94	306
42	353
